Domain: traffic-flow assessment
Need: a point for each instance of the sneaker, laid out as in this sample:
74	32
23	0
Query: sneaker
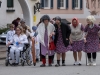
89	62
79	63
75	63
94	62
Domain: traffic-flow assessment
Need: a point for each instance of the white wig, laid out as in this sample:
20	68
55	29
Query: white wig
91	18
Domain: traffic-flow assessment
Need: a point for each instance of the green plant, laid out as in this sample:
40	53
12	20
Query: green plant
3	30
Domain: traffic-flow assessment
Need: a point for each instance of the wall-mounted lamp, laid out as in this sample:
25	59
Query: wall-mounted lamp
37	7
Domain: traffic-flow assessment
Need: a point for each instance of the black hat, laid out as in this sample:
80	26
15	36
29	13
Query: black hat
58	18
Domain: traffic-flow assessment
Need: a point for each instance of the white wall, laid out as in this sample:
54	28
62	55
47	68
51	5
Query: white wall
5	17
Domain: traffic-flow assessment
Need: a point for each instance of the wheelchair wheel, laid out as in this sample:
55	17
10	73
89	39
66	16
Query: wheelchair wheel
22	62
28	61
6	62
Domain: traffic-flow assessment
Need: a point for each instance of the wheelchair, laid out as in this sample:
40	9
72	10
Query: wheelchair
24	56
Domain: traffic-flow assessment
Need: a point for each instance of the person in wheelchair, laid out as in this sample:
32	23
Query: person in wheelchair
19	39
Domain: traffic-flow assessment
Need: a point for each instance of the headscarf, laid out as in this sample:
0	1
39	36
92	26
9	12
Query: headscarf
77	22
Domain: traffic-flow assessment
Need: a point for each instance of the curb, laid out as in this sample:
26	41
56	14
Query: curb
2	58
3	51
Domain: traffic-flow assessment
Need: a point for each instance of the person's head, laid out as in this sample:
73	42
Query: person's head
75	22
34	28
46	19
24	29
57	20
19	30
53	19
22	22
90	19
18	19
12	27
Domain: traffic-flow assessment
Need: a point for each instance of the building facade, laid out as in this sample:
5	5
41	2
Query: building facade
67	9
24	9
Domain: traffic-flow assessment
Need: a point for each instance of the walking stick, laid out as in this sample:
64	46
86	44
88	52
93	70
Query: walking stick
33	52
86	58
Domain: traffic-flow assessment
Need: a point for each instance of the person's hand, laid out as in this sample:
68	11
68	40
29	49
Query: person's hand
8	44
52	34
85	40
66	38
71	42
32	38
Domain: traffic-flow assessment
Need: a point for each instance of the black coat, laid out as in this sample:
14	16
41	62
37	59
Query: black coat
66	31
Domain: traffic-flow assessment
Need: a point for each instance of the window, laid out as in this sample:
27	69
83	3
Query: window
77	4
62	4
10	3
46	4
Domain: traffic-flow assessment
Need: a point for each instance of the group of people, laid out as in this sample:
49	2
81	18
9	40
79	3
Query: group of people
74	37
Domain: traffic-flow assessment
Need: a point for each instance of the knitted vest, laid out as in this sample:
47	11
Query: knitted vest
76	33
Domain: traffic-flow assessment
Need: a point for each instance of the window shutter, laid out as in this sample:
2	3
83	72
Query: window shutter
58	4
81	4
73	4
42	4
67	2
10	3
52	4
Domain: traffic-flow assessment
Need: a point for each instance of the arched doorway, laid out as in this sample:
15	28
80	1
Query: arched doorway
27	12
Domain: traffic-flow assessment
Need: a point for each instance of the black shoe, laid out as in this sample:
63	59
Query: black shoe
50	65
13	64
63	64
37	60
42	65
34	64
16	64
57	65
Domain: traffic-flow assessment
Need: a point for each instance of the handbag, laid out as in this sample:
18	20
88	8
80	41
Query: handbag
52	45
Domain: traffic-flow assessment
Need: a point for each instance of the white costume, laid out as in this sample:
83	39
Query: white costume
17	47
37	44
9	36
